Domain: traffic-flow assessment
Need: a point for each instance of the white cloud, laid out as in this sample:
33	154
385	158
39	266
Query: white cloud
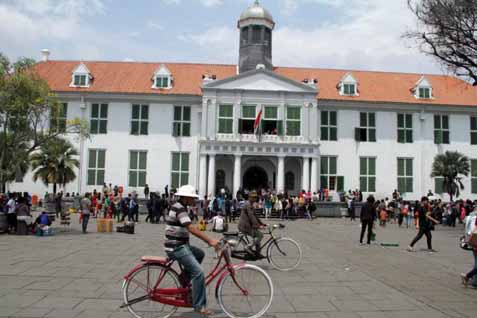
370	38
154	25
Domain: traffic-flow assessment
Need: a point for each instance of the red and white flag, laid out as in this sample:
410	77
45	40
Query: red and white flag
256	124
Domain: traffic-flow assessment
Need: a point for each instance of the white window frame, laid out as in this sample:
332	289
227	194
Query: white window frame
95	168
180	171
328	126
348	80
225	118
140	120
405	176
182	121
367	175
137	169
293	120
327	175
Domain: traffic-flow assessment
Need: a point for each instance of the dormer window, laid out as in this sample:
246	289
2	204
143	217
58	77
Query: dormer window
348	86
349	89
162	78
423	89
424	92
80	80
81	76
162	82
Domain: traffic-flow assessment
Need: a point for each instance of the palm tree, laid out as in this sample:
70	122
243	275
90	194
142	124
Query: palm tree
54	163
451	166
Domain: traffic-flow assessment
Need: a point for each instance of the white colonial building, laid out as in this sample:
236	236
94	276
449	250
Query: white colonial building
176	123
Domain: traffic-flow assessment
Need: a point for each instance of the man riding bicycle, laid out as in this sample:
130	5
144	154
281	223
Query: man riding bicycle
177	246
250	224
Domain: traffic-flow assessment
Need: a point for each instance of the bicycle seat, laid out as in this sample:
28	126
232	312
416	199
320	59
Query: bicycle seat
155	259
230	233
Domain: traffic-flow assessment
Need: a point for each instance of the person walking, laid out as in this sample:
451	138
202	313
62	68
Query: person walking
11	216
58	204
367	217
85	206
150	209
146	191
470	228
424	211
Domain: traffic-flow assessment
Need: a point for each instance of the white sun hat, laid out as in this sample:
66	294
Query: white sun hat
186	191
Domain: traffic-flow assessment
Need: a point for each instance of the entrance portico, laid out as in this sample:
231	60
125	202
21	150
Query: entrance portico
283	167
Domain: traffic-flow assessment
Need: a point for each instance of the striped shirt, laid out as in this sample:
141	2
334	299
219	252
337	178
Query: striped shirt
176	232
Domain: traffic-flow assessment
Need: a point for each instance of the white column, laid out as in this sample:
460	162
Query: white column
237	173
211	176
314	175
281	175
305	180
202	175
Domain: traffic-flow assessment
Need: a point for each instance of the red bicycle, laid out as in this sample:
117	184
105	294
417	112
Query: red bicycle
155	289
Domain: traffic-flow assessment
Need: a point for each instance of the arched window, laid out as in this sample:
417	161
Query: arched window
220	179
289	181
256	34
245	35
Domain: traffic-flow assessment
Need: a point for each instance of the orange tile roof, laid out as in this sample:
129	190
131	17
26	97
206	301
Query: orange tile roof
134	77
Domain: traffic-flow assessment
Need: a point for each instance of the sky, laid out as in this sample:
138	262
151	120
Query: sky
338	34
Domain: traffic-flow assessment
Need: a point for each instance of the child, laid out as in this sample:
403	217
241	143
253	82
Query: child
383	216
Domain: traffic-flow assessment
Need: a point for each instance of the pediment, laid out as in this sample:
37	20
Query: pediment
81	69
260	80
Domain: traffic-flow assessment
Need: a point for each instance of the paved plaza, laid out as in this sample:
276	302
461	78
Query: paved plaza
74	275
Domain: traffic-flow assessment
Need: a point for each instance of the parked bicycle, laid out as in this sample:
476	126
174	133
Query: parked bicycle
283	253
155	289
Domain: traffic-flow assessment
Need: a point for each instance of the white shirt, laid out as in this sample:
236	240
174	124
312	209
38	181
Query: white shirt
218	222
11	206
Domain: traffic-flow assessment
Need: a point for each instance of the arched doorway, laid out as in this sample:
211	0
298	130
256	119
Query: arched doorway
254	178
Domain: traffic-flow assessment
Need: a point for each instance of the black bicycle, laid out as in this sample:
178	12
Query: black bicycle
283	253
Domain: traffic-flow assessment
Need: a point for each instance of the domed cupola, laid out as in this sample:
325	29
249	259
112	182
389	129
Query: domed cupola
256	25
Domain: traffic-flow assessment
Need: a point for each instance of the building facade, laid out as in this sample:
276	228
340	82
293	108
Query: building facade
176	123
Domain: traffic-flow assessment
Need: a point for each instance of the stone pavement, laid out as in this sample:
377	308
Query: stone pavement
75	275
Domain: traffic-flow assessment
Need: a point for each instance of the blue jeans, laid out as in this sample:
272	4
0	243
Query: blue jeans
473	272
84	224
190	257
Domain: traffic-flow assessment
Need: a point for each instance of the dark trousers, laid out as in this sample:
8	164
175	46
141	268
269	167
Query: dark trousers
351	214
366	224
473	272
84	223
12	222
423	231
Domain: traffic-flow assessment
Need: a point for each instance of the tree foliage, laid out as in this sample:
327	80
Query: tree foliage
447	30
451	166
55	163
26	103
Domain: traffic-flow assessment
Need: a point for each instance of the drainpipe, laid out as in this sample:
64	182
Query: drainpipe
81	167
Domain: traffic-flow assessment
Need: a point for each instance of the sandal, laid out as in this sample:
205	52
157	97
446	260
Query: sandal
205	312
465	280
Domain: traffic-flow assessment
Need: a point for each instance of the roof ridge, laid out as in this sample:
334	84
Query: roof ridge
362	71
139	62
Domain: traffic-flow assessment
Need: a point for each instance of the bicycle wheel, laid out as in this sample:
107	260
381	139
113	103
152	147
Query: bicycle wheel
259	287
284	254
142	281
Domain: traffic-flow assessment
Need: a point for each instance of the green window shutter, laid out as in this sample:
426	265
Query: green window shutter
446	137
324	117
400	163
103	126
473	138
340	184
144	128
177	113
401	185
333	165
438	185
91	177
324	183
185	162
145	112
372	135
409	185
409	138
134	127
333	134
101	159
271	112
473	123
324	165
408	121
409	168
174	180
186	130
248	112
104	111
135	111
357	134
437	122
280	128
372	166
141	178
186	113
92	159
473	168
175	161
133	178
94	110
363	169
176	129
445	122
333	118
363	184
372	184
372	119
143	160
324	133
363	119
401	135
400	120
133	159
